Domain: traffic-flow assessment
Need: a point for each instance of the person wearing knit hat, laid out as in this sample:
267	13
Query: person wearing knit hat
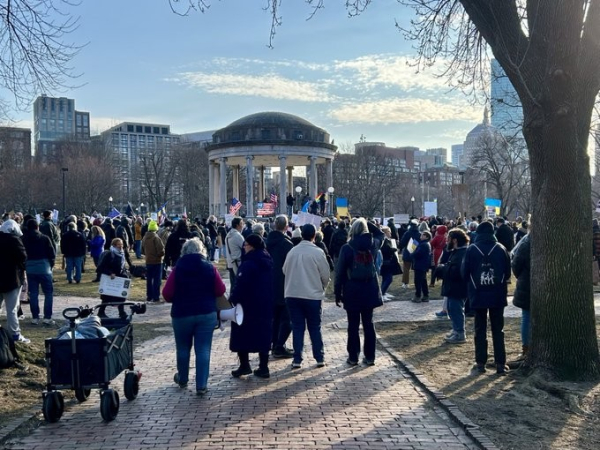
486	268
153	250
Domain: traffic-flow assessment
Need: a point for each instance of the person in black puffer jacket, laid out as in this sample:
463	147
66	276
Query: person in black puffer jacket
521	260
112	263
338	240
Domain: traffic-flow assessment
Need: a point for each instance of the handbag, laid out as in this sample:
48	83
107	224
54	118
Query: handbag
223	303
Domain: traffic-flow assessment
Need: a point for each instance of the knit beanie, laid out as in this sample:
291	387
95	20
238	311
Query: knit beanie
152	226
485	228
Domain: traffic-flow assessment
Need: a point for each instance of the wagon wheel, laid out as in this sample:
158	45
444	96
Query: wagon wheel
82	394
109	404
53	406
131	385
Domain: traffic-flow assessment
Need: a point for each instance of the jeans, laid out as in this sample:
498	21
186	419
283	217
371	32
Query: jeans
282	327
457	314
386	281
137	246
525	327
353	344
45	280
306	314
421	283
153	281
213	247
74	262
196	330
12	305
289	211
497	325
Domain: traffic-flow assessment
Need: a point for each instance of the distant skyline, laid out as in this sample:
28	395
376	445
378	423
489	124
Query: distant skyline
350	76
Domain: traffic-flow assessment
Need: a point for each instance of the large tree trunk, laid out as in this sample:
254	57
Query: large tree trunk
562	305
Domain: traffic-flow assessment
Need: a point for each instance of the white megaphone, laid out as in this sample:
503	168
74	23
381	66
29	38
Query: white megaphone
235	314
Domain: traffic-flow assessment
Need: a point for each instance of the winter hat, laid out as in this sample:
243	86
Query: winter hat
485	228
152	226
297	234
255	241
11	227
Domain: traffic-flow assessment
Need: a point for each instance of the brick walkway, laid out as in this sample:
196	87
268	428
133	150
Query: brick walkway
336	406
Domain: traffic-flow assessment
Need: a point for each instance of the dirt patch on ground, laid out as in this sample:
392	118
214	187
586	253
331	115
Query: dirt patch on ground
21	387
515	411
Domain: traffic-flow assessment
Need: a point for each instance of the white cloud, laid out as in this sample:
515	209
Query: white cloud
404	111
268	86
100	124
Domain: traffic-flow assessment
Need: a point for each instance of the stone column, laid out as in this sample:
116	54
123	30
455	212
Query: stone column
216	191
261	184
222	187
249	186
211	191
236	181
290	183
313	177
282	184
329	172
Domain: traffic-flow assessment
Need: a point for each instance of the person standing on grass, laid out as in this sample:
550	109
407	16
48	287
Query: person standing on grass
12	267
97	242
74	247
412	233
454	287
306	277
421	264
153	250
486	267
48	228
40	261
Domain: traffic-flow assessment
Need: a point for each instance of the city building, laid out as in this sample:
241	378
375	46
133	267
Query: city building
55	120
483	134
15	148
129	143
401	158
457	155
507	113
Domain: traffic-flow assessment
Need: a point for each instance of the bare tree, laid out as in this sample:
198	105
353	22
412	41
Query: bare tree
192	162
158	173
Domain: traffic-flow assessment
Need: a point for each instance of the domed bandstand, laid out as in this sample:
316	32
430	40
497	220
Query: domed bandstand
258	141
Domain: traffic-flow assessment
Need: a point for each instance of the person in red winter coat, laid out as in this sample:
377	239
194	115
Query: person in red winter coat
437	247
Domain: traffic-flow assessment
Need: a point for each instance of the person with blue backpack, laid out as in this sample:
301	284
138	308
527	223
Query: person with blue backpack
357	287
486	268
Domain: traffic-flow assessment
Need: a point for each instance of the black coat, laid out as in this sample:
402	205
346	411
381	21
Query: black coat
453	284
327	235
521	262
109	234
73	244
358	295
390	262
174	244
39	246
12	262
253	291
278	246
411	233
338	240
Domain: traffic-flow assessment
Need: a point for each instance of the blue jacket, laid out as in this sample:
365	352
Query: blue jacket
493	296
422	256
411	233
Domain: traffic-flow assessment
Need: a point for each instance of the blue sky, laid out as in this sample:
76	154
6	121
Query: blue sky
347	75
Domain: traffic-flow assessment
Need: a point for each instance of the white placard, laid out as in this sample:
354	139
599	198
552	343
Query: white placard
304	218
399	219
115	287
228	219
430	209
154	216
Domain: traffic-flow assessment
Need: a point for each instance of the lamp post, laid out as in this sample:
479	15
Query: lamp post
142	209
64	180
110	204
330	191
298	191
412	202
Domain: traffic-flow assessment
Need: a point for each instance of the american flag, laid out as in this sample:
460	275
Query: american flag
273	198
235	206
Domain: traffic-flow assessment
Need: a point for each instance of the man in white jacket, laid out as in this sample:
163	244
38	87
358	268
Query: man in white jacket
306	277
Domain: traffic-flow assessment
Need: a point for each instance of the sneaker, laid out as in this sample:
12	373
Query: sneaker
241	371
416	300
176	380
368	362
262	373
456	339
404	286
296	365
201	391
35	321
21	317
479	368
441	314
425	299
283	353
502	369
320	363
390	296
49	322
20	338
449	335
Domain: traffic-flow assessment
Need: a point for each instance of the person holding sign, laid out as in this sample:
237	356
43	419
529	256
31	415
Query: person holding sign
112	263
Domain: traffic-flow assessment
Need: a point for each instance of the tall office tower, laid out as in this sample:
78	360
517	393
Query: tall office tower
507	113
55	120
457	155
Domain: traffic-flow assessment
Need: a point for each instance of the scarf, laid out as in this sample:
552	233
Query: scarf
119	254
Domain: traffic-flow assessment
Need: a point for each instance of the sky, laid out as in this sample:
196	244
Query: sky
350	76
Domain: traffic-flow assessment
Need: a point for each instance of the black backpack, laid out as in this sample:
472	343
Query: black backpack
488	275
8	352
363	266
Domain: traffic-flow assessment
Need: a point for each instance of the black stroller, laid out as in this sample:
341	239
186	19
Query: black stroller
86	364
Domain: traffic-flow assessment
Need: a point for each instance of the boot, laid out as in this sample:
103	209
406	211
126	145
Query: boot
263	368
519	361
244	368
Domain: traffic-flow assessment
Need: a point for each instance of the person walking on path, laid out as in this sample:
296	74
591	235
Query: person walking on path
279	245
153	250
74	247
40	261
254	292
112	263
357	287
306	277
486	267
192	288
12	267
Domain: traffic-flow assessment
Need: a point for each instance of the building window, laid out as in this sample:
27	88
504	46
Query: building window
156	130
130	128
85	120
164	130
148	130
138	129
78	120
